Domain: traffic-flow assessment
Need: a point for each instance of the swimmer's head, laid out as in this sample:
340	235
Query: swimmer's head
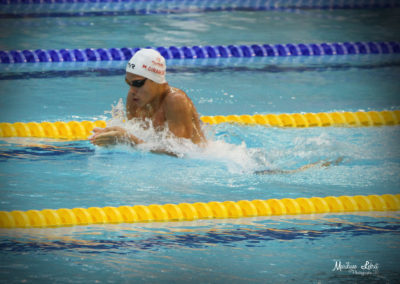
148	63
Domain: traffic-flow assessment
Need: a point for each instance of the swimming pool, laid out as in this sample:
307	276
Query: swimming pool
45	173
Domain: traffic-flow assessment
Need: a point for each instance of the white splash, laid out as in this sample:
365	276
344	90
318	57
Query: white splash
238	158
117	113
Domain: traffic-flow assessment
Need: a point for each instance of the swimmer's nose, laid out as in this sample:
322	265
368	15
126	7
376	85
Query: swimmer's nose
131	92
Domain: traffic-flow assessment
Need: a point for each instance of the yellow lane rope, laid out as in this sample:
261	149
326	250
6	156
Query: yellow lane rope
198	210
360	118
82	130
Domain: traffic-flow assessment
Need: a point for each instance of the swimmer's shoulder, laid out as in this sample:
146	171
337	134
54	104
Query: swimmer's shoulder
177	97
176	93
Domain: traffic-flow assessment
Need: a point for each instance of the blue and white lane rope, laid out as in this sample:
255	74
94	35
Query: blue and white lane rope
324	4
200	52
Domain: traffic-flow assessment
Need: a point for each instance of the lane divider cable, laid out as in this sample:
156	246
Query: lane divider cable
201	52
75	130
198	210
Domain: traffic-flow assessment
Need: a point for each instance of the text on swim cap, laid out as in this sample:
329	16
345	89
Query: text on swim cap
158	62
131	65
153	69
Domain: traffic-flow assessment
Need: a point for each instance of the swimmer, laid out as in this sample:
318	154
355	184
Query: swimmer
150	97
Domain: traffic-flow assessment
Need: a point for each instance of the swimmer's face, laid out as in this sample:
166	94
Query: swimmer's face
140	89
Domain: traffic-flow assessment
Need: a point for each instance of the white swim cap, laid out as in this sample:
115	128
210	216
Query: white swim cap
148	63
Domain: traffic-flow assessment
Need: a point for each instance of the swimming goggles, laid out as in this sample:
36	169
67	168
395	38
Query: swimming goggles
137	83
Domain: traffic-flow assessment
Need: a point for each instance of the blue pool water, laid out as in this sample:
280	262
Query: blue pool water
45	173
72	174
238	27
277	85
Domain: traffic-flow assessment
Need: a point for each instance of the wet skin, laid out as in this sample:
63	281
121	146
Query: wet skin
165	106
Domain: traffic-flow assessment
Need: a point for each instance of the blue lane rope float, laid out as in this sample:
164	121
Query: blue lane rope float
201	52
125	9
228	4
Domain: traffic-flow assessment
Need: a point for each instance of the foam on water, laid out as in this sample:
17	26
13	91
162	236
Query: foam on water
246	149
238	158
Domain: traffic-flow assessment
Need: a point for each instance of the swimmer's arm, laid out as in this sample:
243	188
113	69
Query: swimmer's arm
113	135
